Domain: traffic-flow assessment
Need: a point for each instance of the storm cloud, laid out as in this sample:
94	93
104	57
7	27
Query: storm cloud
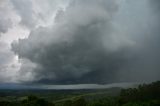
5	21
87	45
7	63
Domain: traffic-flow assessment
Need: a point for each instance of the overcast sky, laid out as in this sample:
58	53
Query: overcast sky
79	41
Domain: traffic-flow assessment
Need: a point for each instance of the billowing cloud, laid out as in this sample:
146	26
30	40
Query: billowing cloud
37	13
25	9
73	49
14	15
8	65
98	41
4	25
5	21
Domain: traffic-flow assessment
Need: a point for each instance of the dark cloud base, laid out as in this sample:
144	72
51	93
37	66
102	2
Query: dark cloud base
75	51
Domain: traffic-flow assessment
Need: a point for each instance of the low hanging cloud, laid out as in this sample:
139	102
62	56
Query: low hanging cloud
84	45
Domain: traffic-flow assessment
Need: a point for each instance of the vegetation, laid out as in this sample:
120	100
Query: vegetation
29	101
143	95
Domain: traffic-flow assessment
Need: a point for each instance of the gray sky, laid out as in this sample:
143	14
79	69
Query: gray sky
79	41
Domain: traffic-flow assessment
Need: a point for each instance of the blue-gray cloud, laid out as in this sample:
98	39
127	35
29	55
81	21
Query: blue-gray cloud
86	45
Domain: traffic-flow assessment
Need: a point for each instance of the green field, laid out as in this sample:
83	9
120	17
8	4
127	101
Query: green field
143	95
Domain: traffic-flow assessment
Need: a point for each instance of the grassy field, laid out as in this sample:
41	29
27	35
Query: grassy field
58	95
143	95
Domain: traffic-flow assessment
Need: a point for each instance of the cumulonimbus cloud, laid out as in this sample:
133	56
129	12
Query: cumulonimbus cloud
84	46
